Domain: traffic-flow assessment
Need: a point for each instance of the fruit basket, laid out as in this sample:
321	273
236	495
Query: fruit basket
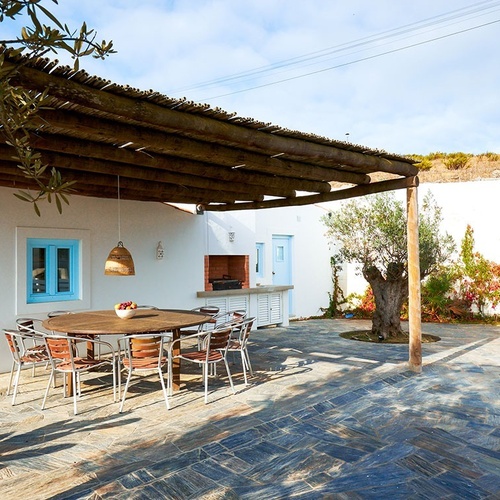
126	310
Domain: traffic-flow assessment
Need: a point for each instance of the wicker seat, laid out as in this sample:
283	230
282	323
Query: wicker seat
144	353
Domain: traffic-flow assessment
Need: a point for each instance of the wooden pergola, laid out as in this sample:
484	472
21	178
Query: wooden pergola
175	151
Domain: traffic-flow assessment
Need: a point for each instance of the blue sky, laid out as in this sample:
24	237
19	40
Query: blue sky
405	77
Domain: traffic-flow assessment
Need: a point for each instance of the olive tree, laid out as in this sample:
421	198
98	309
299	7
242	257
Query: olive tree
19	107
372	233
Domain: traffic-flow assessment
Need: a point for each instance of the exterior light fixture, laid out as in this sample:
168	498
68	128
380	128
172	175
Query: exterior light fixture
160	253
119	261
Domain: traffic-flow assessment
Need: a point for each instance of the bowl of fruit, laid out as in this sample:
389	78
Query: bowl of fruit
126	310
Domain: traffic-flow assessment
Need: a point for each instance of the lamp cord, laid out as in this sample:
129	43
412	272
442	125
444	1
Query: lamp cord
119	212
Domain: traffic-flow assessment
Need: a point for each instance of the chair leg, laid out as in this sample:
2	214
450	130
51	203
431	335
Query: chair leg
125	390
165	395
244	365
10	379
76	390
229	375
115	383
249	365
16	383
205	378
48	387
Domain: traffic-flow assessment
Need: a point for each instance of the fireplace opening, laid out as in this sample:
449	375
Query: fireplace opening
226	272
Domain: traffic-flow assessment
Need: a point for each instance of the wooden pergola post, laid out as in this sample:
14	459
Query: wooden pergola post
415	318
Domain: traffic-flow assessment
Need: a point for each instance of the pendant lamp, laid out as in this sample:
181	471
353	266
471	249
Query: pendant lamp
119	261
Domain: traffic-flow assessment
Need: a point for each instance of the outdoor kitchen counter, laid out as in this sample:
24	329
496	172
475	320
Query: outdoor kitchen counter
245	291
269	304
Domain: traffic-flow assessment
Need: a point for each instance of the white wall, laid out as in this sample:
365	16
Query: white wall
311	274
168	283
475	203
174	281
171	282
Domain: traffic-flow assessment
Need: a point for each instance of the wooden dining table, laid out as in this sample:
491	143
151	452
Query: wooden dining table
92	323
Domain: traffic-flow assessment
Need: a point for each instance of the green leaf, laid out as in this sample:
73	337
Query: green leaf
58	204
50	15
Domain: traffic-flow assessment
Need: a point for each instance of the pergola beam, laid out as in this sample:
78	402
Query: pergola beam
155	142
84	164
341	194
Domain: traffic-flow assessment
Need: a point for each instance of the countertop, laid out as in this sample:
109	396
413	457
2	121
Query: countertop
245	291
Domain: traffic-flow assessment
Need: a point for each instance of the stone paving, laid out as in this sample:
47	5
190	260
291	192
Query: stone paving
324	417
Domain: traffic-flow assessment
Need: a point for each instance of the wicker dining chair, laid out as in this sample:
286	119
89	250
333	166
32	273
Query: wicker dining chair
143	354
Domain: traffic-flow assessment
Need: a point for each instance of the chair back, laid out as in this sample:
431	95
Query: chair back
143	351
218	340
15	343
230	318
60	348
25	324
53	314
245	329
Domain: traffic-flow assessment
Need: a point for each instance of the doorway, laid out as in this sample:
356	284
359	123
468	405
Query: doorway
282	264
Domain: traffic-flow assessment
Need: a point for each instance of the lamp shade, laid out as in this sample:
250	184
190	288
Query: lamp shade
119	262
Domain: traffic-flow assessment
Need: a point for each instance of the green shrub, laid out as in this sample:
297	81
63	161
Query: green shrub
436	156
457	161
491	156
425	164
436	291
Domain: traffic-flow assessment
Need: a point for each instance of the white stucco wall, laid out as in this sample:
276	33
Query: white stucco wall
174	281
169	283
311	275
475	203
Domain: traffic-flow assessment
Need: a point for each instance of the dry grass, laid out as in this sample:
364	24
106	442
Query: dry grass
480	167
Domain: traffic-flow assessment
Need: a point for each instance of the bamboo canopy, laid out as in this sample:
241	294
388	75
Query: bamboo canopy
171	150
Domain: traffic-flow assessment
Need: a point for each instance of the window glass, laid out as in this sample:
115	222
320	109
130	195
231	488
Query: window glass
53	270
38	270
63	269
259	262
280	253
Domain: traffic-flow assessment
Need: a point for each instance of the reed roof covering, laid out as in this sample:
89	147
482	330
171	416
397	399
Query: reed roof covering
177	151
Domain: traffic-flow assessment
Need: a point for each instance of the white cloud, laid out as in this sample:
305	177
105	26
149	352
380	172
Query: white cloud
440	95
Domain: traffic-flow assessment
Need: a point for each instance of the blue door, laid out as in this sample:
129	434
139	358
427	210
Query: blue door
282	263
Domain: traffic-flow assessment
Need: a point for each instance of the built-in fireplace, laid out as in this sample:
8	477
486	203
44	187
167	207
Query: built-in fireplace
226	272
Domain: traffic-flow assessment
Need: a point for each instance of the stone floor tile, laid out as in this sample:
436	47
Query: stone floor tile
322	418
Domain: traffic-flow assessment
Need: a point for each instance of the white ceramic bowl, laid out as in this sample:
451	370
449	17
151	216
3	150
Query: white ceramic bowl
125	313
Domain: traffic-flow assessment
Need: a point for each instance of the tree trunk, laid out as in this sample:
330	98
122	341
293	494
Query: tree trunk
389	293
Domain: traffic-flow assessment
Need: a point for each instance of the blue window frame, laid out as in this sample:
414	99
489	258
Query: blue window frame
53	270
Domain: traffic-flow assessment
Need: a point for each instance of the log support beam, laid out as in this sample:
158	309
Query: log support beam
415	317
341	194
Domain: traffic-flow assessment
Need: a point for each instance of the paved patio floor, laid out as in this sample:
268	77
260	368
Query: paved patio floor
323	417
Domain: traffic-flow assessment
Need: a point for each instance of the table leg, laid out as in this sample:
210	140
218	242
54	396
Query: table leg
176	363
